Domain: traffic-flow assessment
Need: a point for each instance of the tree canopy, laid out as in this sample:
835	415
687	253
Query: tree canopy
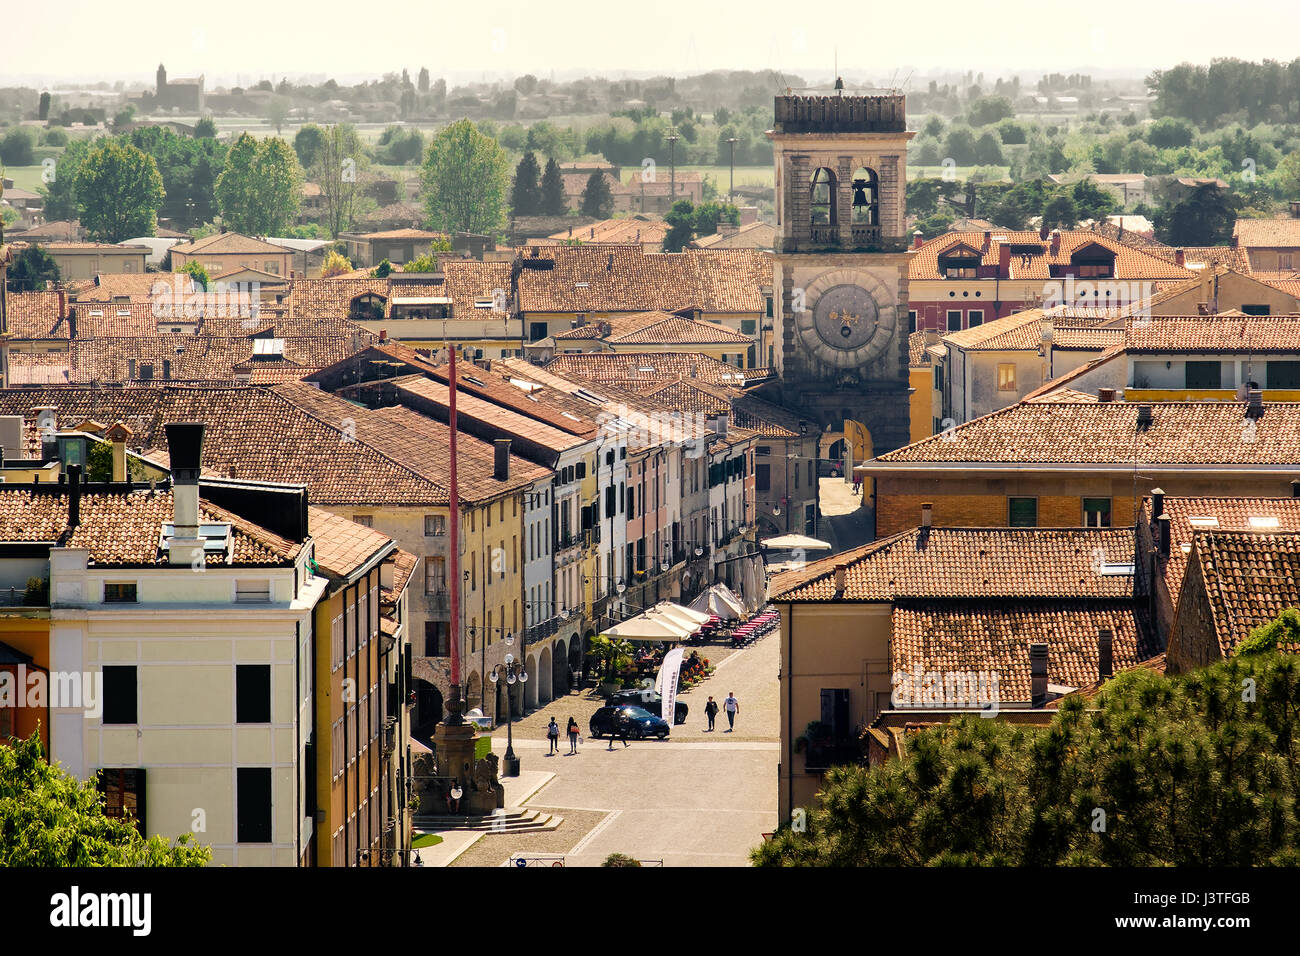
597	199
465	178
118	190
49	818
260	188
32	270
1197	770
552	199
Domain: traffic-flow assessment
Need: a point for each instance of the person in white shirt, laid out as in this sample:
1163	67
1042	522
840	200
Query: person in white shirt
732	707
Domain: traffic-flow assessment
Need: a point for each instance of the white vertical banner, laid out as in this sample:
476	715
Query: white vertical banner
666	684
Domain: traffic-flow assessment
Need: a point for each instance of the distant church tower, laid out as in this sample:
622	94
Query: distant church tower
162	81
840	269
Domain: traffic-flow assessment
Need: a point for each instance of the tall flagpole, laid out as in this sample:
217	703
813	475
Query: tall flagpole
453	705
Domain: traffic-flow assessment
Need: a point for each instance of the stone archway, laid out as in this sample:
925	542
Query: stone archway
428	707
574	645
473	691
530	688
543	677
559	668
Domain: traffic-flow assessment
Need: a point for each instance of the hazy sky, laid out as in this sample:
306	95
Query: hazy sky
92	39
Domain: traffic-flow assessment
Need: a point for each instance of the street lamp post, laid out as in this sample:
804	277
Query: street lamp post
513	671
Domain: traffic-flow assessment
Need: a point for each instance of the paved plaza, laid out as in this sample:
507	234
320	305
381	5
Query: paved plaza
695	799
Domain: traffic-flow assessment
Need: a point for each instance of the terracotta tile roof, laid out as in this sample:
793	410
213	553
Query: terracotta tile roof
1229	514
403	568
627	368
1021	331
918	357
465	282
631	229
1088	338
1188	433
343	546
283	433
678	331
754	235
973	563
101	247
497	416
1250	578
229	243
408	436
971	636
34	315
137	286
1214	333
612	278
121	528
39	368
1130	262
1065	395
743	411
1230	256
404	234
1281	233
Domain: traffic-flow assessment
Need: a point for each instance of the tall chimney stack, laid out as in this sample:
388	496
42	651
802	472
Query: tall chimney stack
1157	502
501	463
1164	524
841	579
927	514
1038	674
918	239
74	495
1105	655
185	446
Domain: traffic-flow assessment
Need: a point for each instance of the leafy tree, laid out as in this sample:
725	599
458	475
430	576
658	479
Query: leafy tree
988	149
340	164
1157	771
403	145
43	111
597	199
1060	212
334	264
1204	218
123	118
259	189
118	191
620	859
526	193
382	270
924	194
1092	201
422	83
959	145
18	147
277	111
709	214
205	128
32	270
681	225
465	178
194	269
55	136
189	167
553	201
990	109
48	818
1168	133
61	193
307	143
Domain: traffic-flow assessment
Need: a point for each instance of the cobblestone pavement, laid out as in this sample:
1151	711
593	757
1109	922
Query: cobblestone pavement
695	799
846	522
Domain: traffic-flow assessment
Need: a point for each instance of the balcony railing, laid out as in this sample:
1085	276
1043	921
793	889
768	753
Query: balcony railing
25	597
866	235
541	630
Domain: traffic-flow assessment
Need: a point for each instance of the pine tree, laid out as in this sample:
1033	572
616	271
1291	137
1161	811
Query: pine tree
597	200
553	203
526	194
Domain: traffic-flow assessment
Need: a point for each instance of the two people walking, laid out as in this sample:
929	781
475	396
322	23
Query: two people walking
730	705
553	736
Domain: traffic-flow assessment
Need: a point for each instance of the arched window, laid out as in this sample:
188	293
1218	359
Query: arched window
866	197
823	197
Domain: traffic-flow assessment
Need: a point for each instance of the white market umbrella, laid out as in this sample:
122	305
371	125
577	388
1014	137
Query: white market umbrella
646	627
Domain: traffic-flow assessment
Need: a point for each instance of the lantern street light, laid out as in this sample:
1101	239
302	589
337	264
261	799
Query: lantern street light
512	670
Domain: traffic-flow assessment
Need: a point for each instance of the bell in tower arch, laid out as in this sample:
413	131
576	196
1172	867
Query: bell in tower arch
866	198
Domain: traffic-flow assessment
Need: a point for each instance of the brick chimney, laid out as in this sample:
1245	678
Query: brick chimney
1004	260
988	239
118	434
501	461
1180	258
927	514
841	579
63	304
185	447
918	240
1105	395
1157	502
1255	403
1038	674
74	495
1055	246
1164	524
1105	655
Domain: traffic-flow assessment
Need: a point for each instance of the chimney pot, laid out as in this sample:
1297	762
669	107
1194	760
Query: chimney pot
1255	403
1105	395
185	450
918	239
1105	655
1180	258
1164	523
1145	417
841	579
501	462
927	514
1055	247
1038	674
1157	502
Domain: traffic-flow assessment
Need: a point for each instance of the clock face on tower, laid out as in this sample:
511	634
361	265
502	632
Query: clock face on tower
849	318
845	317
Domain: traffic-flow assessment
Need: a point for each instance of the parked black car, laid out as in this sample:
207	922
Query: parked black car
640	722
830	468
653	702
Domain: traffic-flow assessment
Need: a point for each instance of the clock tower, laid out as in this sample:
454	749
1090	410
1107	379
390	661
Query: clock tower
841	335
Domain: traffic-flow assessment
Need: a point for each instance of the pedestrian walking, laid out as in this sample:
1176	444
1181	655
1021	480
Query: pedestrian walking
732	707
572	731
711	711
619	727
553	735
